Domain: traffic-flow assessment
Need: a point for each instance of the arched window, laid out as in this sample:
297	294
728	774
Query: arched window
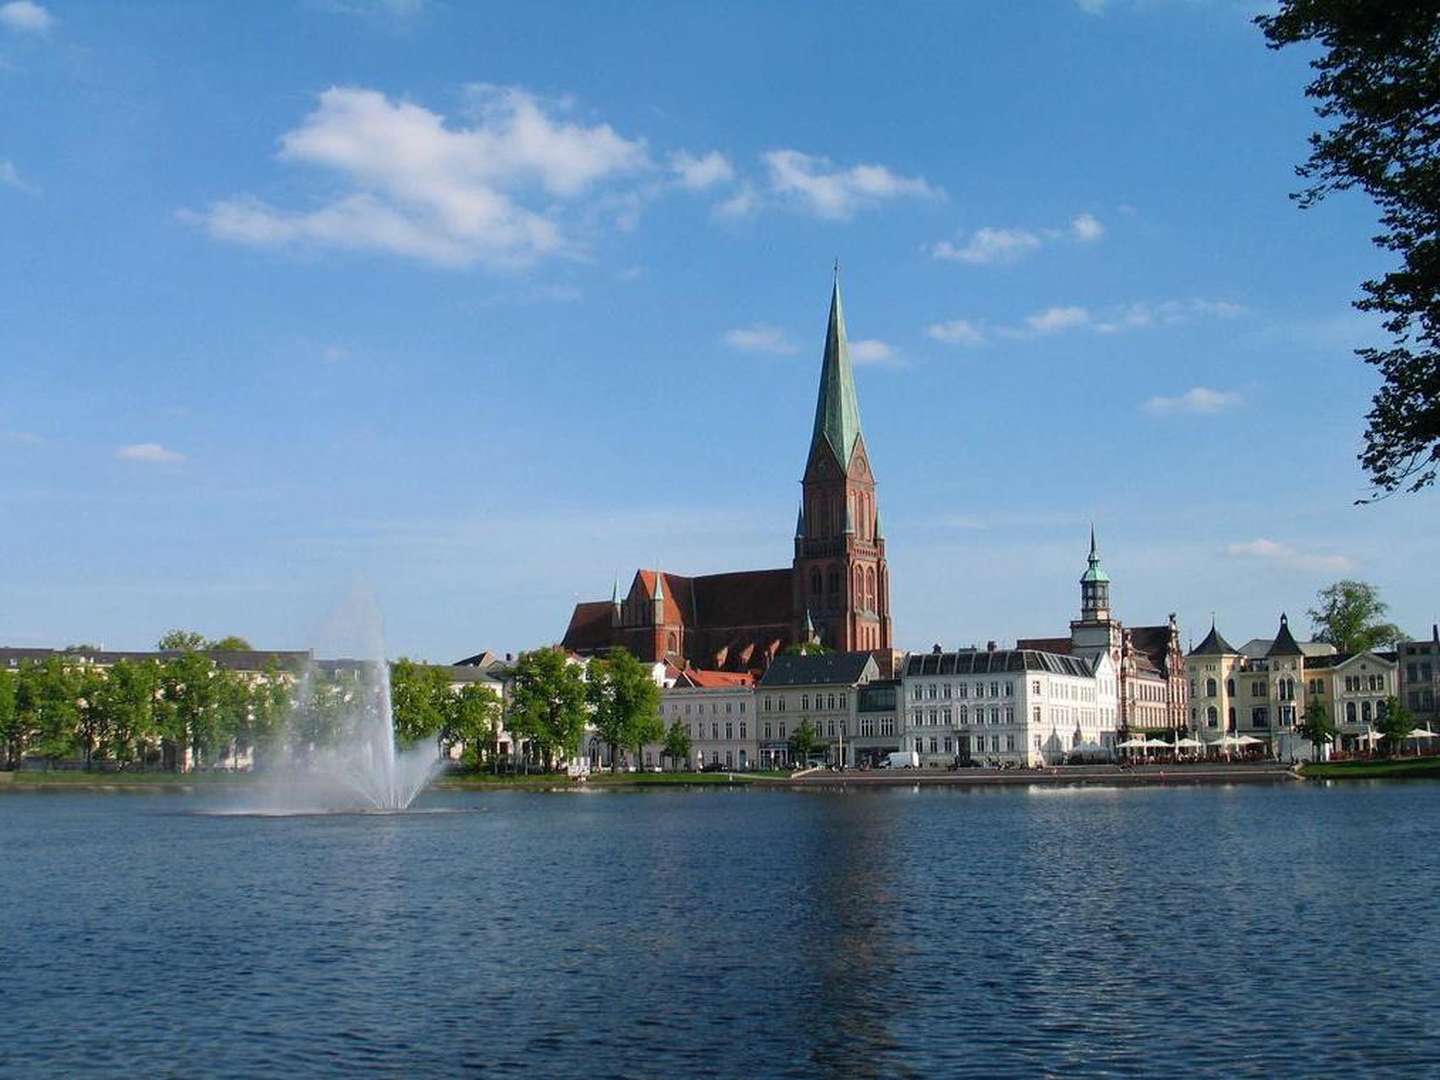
858	597
1365	711
1212	716
1230	687
815	580
1350	712
870	602
832	585
672	642
1211	687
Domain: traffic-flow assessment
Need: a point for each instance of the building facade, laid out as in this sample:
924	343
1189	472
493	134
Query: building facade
1007	706
819	689
716	711
838	581
1419	673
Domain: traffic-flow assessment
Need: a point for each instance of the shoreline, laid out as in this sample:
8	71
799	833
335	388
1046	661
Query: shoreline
1141	776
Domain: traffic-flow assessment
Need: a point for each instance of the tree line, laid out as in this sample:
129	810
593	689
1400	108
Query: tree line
148	712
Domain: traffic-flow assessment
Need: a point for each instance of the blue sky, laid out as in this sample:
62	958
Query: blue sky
472	308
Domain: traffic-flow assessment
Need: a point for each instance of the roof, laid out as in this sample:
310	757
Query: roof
1258	648
703	679
822	669
1337	660
230	659
589	626
1061	645
1214	645
1094	572
837	407
1284	643
1153	643
994	661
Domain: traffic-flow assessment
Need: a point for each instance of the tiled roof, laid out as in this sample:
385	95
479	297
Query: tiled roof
823	669
1214	645
714	680
993	662
589	626
1061	645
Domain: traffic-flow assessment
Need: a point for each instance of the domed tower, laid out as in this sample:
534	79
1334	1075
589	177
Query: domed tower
1096	631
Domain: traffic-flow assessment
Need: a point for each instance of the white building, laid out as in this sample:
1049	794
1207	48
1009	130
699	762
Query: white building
1006	706
717	711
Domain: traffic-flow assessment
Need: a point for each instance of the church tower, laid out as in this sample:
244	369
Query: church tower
1096	631
841	580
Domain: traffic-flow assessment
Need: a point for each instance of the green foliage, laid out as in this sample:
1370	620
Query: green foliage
1394	722
126	700
804	741
472	720
8	727
624	704
1350	616
419	700
231	643
548	703
47	701
1377	87
677	744
181	640
1316	726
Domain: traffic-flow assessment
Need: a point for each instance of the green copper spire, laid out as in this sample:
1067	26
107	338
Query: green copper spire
1094	573
837	411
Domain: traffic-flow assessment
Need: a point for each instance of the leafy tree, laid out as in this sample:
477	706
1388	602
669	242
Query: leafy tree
804	741
1394	723
472	720
1316	726
1349	616
807	648
547	703
1377	85
92	727
127	698
419	696
625	704
270	704
677	745
181	641
231	643
189	700
9	732
47	704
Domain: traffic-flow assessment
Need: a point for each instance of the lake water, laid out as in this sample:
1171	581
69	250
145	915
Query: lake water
1225	931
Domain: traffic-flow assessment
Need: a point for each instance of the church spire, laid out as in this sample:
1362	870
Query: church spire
800	522
837	409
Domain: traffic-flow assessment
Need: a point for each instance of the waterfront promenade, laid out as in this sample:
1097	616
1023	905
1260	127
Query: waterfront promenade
1110	775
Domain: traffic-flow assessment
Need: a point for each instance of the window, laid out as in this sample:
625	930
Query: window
964	714
867	726
887	725
1010	742
949	745
945	691
1365	713
780	705
767	703
768	731
1211	687
994	689
830	703
1035	715
945	717
934	717
832	727
714	730
962	690
1260	716
1230	687
844	701
918	691
729	759
729	730
1212	717
742	729
1009	714
934	745
804	702
931	691
994	714
1035	687
729	706
782	729
742	708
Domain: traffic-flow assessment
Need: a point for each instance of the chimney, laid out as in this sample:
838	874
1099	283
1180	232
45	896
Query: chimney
509	657
937	650
989	646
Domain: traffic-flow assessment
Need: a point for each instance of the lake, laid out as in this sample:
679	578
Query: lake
1249	930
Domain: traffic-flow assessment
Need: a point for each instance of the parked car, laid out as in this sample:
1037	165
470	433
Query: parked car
715	766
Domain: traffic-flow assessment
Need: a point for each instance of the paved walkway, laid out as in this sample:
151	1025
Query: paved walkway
1206	773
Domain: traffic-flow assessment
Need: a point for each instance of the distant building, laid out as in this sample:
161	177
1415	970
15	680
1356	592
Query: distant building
1420	678
819	688
1007	706
1153	691
838	580
717	711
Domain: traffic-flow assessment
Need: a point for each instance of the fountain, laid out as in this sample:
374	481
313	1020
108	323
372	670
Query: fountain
338	751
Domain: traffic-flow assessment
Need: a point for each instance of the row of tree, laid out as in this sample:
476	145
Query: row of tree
151	712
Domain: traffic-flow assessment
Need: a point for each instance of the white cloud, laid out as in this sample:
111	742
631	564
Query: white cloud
761	337
21	438
26	16
1287	556
149	452
427	189
1055	319
333	354
873	351
817	185
990	245
10	177
1198	399
743	203
1120	318
698	173
956	332
1086	228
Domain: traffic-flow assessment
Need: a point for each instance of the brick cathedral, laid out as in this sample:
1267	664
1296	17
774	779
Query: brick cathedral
836	589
